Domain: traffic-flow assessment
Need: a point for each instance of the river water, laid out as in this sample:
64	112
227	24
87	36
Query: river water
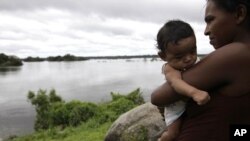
90	80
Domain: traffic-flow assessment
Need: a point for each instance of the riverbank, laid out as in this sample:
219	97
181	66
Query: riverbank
92	128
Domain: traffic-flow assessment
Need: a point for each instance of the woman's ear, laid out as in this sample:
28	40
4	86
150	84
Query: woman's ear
162	55
241	13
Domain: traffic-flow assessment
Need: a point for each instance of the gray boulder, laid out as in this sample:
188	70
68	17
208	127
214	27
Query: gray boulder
143	123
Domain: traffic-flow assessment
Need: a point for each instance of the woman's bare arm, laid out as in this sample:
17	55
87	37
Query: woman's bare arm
213	72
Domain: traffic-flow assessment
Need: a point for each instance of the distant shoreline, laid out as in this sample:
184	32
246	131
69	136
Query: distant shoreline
69	57
130	56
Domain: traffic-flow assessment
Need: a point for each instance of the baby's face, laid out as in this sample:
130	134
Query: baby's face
182	55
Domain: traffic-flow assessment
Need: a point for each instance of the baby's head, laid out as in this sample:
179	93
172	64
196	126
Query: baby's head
177	44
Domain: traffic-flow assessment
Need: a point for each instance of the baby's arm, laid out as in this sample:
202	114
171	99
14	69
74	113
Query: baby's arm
174	79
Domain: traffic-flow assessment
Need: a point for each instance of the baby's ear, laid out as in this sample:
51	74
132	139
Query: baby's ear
162	55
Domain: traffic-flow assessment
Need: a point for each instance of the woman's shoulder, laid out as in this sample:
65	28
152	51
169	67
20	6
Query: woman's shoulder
230	58
231	51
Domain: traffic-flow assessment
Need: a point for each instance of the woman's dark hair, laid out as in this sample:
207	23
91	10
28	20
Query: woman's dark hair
231	5
172	32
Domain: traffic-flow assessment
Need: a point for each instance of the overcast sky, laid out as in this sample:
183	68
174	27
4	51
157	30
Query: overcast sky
93	27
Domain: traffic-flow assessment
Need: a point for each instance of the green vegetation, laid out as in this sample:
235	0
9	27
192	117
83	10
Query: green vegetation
6	61
33	59
69	57
123	57
57	120
66	57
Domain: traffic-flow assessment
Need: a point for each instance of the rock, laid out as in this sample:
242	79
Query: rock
143	123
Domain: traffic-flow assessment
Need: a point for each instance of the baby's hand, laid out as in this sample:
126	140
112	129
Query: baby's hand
170	73
201	97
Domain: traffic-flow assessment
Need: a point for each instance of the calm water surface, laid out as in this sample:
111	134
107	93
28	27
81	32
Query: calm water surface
91	80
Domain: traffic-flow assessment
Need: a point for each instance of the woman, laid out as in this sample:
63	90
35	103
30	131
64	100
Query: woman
224	74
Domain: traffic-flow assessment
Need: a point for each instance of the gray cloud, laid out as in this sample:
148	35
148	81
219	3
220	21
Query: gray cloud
143	10
106	29
90	27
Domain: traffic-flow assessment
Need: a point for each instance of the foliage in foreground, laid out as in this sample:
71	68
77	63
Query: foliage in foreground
57	120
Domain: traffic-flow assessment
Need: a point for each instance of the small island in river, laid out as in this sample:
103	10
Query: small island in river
9	61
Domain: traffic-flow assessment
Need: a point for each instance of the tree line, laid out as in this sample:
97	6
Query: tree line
6	60
66	57
69	57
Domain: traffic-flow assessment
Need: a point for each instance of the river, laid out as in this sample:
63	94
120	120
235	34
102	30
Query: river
90	80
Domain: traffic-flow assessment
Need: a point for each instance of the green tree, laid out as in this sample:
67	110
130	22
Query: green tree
6	60
43	103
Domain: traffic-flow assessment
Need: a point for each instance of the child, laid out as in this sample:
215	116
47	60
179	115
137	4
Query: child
177	46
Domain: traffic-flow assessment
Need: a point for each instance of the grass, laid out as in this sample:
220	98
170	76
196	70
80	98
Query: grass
84	132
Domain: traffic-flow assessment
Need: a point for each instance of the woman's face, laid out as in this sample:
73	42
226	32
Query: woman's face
220	25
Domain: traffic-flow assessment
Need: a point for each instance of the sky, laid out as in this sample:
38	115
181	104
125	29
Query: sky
93	27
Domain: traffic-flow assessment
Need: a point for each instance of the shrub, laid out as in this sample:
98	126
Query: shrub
43	105
134	96
81	113
59	115
53	111
121	105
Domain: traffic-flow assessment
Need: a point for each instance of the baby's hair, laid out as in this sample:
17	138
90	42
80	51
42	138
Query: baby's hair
172	32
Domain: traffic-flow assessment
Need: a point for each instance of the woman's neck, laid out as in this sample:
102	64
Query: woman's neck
243	36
